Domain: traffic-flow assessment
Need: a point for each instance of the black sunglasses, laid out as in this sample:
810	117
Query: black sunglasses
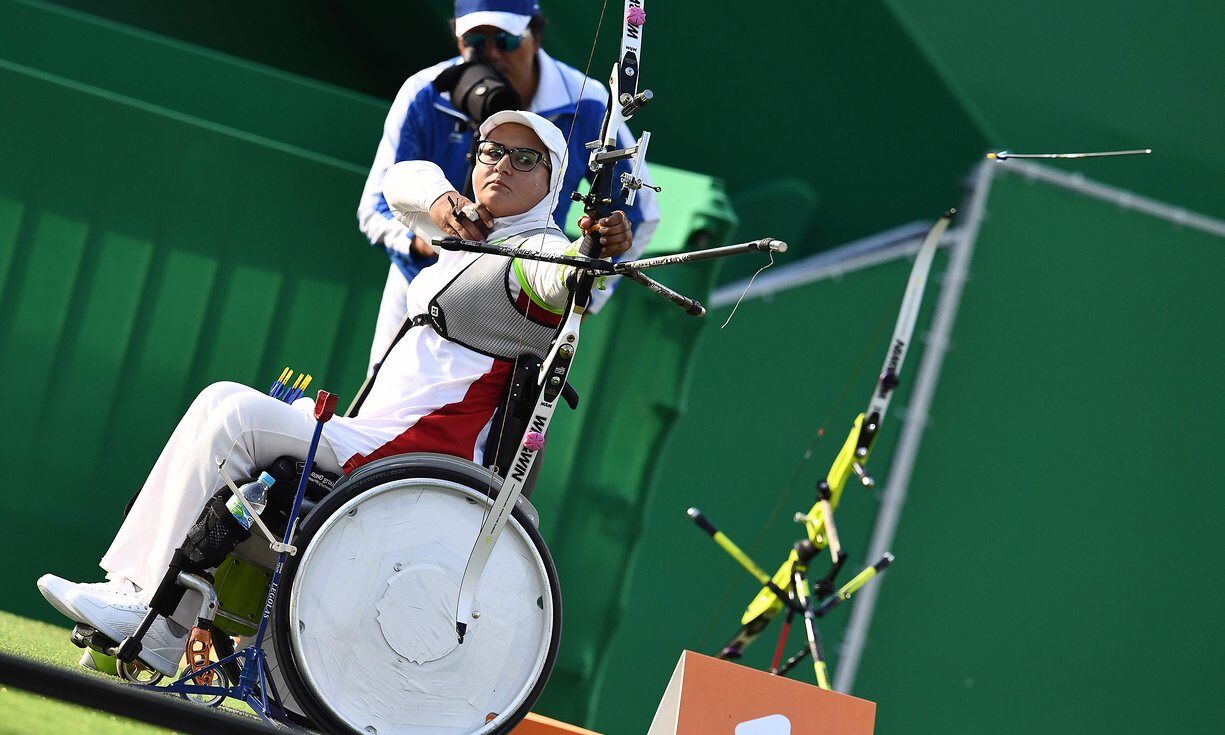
521	159
502	40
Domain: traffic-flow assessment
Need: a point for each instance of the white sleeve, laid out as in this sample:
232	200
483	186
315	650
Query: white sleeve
410	187
379	226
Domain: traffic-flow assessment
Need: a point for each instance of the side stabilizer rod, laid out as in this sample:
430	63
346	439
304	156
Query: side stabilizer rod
764	245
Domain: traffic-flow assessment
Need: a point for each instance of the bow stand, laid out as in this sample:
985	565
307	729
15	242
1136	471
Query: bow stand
789	586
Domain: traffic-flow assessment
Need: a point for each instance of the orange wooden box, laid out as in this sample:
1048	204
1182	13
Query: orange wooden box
707	696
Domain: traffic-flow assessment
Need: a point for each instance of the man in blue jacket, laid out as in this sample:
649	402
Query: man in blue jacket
423	124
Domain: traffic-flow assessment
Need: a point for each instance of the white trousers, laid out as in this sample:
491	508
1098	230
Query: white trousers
392	310
248	429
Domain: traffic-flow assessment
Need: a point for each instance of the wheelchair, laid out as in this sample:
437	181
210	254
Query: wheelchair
363	638
362	632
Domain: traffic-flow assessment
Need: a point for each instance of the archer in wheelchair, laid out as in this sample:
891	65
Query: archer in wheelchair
364	638
418	597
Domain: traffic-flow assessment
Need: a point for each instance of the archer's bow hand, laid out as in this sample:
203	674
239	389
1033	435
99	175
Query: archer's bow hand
616	235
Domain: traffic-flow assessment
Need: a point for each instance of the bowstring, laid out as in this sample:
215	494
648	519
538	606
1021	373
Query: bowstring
548	217
745	292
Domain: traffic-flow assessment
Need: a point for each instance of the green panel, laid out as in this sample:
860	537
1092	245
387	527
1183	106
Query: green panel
1047	76
153	255
194	81
357	44
160	361
94	356
244	318
765	385
311	320
36	317
1057	556
850	106
10	224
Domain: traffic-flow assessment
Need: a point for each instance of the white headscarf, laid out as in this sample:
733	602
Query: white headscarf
541	214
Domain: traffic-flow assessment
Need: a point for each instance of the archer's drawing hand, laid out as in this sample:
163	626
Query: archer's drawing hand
450	213
614	231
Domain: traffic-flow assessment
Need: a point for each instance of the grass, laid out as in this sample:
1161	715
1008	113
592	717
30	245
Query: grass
22	713
30	714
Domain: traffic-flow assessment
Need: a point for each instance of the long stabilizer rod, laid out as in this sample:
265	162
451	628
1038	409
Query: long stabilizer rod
764	245
1005	155
472	246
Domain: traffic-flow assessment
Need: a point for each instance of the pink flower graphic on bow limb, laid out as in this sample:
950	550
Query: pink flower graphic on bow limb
533	441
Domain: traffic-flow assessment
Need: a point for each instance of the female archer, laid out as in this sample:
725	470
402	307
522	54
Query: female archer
437	389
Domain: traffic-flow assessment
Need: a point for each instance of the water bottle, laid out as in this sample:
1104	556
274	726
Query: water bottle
256	494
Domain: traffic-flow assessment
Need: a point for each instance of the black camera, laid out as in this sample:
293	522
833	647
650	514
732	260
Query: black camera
477	89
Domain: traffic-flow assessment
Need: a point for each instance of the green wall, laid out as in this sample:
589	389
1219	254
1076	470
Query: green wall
1057	554
361	45
142	256
210	87
1047	76
1056	559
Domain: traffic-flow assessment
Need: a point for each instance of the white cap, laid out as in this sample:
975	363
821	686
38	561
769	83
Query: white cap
512	23
545	130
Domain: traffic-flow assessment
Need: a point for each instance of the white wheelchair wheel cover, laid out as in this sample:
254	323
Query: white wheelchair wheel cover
376	644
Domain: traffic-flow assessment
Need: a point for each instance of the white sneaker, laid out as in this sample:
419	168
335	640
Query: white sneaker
56	590
121	586
117	615
59	591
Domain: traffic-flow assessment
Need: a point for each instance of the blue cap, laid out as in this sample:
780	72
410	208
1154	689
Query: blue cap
511	16
266	479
